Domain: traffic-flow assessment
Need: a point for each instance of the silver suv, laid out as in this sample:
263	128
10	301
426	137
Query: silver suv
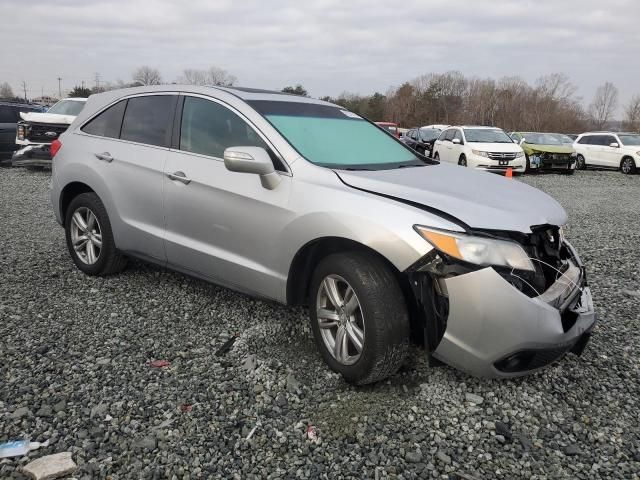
303	202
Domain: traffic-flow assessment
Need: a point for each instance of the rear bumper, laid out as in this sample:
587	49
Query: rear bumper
32	156
494	330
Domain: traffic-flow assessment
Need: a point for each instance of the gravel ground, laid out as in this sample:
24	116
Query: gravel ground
75	369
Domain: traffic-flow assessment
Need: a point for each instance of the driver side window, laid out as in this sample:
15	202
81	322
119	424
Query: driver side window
209	128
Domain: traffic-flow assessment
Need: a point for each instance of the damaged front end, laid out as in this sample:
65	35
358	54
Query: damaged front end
497	321
551	160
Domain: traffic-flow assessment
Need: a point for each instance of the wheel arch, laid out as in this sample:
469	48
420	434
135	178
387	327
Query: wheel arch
308	256
68	193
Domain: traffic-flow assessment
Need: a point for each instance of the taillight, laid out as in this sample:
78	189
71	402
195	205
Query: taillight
56	145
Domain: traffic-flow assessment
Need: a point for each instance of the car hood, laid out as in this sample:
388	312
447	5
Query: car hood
480	200
36	117
534	147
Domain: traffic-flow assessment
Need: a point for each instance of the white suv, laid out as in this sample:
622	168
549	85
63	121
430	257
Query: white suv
609	150
484	148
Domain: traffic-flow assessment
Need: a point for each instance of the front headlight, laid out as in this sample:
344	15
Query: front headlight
478	250
20	132
480	153
519	154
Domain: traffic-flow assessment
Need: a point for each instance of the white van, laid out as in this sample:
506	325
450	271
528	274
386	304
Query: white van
483	148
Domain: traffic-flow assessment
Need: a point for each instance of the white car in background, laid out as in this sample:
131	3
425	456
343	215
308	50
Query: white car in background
608	149
438	126
483	148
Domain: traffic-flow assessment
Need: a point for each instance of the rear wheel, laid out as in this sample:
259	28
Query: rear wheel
580	163
628	166
462	161
359	317
89	236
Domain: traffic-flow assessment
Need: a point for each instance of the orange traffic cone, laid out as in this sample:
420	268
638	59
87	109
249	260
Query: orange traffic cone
509	173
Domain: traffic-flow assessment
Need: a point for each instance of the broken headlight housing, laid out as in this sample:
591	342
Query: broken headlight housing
483	251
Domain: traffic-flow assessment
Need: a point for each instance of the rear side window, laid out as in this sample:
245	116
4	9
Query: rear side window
209	128
108	123
587	140
148	119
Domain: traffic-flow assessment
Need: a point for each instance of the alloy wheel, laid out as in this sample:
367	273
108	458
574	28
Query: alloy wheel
340	319
86	235
627	166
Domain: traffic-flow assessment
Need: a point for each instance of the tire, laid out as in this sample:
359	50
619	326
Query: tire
581	164
105	258
436	156
527	167
380	315
462	161
628	166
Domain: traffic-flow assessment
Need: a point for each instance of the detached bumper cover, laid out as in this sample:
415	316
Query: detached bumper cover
494	330
32	156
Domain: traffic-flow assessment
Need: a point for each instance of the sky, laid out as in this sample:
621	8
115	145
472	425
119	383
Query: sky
328	46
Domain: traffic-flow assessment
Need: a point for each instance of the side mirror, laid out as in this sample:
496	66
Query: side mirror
614	144
456	141
522	140
515	140
252	160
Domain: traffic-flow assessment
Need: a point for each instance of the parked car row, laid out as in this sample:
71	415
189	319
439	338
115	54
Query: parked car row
487	148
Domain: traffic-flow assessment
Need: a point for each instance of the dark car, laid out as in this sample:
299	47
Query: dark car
9	118
422	139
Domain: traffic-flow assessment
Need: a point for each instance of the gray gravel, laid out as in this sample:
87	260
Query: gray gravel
75	369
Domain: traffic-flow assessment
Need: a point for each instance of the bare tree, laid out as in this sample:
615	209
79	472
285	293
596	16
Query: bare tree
6	91
604	104
632	114
212	76
147	76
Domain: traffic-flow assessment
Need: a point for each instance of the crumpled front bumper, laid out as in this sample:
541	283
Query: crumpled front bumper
494	330
32	156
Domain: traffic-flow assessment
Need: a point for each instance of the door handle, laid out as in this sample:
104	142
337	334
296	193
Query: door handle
179	176
105	157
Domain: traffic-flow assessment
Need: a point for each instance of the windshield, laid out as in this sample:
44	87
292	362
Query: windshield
429	134
333	137
563	138
542	139
630	139
67	107
486	135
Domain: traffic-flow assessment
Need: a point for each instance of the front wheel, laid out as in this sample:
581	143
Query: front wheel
462	161
628	166
580	163
359	317
436	156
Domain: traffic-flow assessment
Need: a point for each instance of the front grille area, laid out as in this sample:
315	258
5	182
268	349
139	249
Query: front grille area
555	157
41	132
502	156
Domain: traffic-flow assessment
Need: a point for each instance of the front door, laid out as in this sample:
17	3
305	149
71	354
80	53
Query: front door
220	224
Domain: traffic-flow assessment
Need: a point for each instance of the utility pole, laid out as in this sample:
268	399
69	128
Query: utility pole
97	81
59	87
24	87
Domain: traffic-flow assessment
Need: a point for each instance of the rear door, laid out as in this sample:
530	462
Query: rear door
220	224
128	150
611	156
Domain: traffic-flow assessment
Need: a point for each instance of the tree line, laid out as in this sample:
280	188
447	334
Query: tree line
548	104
